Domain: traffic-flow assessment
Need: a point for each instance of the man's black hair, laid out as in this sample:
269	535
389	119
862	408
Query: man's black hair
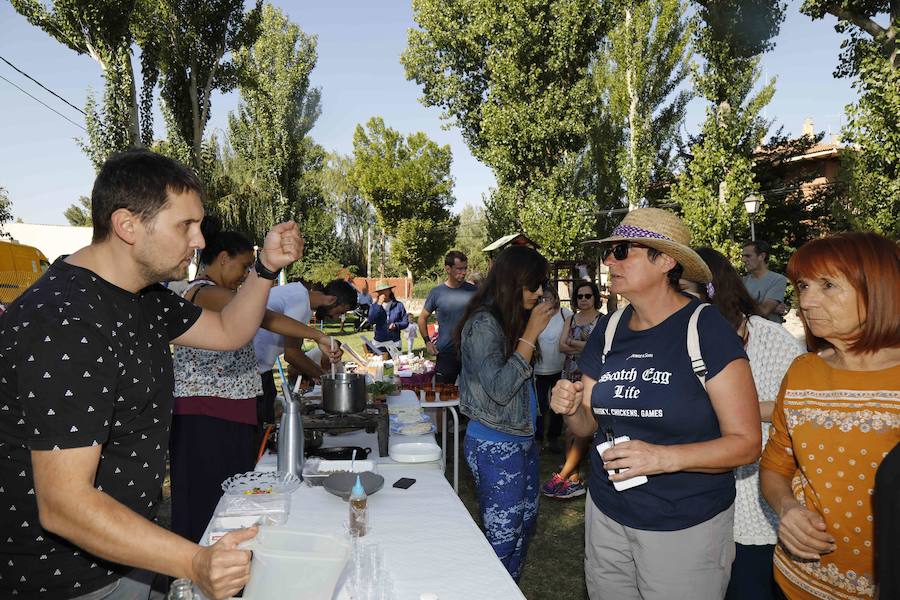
139	181
344	294
760	247
453	256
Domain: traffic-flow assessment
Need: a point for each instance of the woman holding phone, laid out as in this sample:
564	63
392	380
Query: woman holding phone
497	340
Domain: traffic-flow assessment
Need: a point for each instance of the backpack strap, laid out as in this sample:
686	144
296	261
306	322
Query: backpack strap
610	332
693	346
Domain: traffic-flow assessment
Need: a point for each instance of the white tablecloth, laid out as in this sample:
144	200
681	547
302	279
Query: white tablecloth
429	540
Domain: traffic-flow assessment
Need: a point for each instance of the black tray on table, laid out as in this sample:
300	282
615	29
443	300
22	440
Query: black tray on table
339	452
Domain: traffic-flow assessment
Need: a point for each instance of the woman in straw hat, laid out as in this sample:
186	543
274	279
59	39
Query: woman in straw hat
387	315
659	519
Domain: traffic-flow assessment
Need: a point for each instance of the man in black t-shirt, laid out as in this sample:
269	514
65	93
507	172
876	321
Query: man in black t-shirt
86	394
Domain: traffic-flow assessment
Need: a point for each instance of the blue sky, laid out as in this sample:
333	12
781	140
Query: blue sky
359	44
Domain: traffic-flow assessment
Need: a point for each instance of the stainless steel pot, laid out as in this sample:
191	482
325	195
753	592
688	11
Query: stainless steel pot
344	393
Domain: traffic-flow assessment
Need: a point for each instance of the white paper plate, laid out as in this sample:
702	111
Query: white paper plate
415	452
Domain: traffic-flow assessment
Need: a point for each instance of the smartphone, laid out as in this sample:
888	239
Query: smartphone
404	482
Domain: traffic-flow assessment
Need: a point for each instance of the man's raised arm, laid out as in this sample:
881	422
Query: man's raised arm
240	319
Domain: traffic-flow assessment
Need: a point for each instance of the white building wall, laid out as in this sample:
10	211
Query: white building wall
52	240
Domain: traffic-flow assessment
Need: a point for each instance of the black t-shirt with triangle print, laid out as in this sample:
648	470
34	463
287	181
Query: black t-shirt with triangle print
82	363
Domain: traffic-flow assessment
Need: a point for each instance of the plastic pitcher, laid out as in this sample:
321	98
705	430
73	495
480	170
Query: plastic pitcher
290	564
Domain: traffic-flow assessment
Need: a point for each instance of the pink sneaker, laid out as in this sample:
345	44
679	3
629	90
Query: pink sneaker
570	489
550	488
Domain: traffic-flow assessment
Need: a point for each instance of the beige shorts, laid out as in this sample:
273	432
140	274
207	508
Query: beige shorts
621	563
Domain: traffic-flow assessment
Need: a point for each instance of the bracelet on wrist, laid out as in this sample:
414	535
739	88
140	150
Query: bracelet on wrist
265	272
523	340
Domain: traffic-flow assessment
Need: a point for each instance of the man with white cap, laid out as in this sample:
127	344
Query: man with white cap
666	383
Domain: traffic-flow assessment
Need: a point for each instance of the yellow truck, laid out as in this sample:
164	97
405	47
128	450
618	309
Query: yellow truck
20	266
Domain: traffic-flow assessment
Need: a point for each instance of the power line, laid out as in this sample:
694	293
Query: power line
42	85
47	106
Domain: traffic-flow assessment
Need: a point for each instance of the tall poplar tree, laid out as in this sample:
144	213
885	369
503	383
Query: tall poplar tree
187	48
101	29
731	37
515	79
649	56
270	152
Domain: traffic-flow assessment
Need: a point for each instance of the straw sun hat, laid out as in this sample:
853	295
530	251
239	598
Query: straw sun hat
667	233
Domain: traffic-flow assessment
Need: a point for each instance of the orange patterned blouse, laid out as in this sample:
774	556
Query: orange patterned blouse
830	430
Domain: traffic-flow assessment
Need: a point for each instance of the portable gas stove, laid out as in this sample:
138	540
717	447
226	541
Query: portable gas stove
374	418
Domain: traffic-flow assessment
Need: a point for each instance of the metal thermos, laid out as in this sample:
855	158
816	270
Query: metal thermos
290	440
290	432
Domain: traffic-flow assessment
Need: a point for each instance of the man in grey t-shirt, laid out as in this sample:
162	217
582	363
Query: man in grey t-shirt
449	299
764	286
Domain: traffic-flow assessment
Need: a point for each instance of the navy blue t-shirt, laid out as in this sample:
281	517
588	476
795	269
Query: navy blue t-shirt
648	391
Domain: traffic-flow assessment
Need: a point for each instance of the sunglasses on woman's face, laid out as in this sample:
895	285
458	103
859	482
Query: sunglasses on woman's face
537	286
584	296
620	250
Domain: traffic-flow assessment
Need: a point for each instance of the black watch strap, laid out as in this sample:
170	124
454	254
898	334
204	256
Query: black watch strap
262	271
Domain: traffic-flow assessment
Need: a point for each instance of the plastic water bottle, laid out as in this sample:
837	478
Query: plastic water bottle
182	589
359	512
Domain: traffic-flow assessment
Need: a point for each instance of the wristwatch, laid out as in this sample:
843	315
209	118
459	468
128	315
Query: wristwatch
265	273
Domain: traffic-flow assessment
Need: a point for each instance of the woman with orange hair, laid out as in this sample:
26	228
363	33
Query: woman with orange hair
836	417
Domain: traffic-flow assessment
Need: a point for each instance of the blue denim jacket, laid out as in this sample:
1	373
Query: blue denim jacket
493	389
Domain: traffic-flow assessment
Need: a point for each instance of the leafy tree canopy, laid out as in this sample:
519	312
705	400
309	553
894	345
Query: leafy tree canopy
719	174
515	78
79	214
185	43
471	237
401	177
871	57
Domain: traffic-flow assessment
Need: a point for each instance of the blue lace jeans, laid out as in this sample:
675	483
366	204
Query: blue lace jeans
508	486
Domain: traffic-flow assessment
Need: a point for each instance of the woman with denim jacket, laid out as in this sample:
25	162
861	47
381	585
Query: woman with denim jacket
496	338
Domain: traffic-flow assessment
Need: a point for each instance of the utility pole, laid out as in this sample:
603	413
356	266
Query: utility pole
369	251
